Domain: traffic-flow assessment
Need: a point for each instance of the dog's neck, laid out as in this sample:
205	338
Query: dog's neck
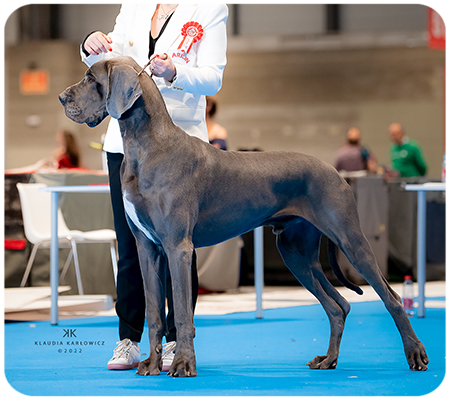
139	125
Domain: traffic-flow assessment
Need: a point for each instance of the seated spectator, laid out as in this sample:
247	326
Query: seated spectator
67	154
353	156
406	154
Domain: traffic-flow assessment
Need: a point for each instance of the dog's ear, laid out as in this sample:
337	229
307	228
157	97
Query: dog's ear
123	89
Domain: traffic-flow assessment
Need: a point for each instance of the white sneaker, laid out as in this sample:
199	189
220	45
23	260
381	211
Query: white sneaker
126	355
168	355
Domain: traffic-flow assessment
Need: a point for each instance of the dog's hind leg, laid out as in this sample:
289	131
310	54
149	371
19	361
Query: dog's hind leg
341	225
299	248
359	253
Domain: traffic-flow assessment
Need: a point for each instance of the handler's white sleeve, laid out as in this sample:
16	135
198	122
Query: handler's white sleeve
206	78
117	36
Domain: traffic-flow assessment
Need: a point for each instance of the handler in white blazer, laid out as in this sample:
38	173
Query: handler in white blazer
188	42
198	72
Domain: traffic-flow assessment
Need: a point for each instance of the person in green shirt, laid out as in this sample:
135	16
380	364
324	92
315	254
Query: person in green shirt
406	154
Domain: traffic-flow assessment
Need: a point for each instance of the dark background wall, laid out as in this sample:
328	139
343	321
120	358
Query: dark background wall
297	77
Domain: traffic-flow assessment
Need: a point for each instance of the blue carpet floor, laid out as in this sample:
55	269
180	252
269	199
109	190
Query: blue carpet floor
236	355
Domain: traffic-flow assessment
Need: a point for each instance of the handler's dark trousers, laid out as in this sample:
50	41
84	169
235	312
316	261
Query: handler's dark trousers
130	305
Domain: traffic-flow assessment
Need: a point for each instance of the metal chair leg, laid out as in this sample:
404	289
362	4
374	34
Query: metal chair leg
77	267
30	263
66	266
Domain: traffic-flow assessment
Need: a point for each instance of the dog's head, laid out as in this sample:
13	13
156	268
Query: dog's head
109	87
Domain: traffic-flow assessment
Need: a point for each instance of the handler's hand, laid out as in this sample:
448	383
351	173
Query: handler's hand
163	67
97	43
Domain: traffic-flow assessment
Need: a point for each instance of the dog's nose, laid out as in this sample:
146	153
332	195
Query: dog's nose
63	98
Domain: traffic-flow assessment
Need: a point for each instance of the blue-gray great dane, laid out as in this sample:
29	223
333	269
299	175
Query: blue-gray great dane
181	193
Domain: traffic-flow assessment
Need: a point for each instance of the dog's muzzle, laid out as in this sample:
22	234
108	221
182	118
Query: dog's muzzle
70	108
63	98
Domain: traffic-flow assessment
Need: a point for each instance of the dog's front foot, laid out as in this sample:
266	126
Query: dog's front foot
417	358
147	367
183	366
323	362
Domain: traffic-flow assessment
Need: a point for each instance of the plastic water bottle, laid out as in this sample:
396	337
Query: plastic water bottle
444	172
408	296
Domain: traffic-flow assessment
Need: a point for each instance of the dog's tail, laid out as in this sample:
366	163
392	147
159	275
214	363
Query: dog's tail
336	269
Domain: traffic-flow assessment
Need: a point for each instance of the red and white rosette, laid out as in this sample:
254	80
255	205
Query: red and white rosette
192	32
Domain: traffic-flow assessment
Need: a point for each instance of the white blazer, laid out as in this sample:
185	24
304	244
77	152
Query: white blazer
199	71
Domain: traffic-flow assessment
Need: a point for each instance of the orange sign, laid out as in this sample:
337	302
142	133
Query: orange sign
34	82
436	30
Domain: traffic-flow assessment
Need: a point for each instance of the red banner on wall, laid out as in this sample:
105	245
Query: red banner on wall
436	30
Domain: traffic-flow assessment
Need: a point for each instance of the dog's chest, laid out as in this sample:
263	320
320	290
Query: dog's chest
130	209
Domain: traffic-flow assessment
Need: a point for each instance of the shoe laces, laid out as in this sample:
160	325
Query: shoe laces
123	348
168	348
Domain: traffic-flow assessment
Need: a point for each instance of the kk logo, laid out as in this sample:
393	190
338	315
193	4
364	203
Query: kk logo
69	333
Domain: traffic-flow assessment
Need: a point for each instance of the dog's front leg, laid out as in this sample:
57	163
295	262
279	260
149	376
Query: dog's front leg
153	268
180	258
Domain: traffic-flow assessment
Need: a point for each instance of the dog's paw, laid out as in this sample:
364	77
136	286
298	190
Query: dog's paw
146	367
183	367
417	358
323	362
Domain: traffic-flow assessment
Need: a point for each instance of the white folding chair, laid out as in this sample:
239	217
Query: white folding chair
37	225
